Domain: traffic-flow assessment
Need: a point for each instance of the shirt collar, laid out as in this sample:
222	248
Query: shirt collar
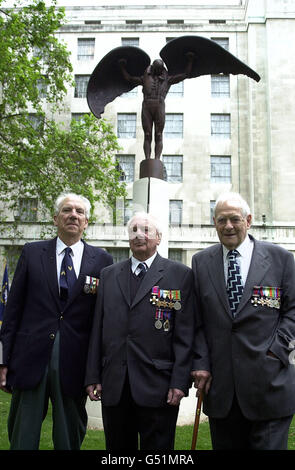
60	246
243	248
135	262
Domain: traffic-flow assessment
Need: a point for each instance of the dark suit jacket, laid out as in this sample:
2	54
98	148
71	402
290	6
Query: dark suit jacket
237	348
34	314
124	335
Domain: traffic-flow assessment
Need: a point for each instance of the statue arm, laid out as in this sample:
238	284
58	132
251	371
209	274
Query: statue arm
186	74
129	78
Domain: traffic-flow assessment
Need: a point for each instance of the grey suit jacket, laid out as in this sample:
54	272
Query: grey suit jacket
124	336
237	348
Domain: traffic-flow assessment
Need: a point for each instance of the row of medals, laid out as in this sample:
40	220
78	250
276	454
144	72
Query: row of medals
171	304
266	301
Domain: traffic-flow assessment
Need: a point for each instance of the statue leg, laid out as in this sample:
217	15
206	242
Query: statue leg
147	125
159	127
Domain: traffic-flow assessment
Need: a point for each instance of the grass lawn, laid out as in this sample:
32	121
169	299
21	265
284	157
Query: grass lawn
94	439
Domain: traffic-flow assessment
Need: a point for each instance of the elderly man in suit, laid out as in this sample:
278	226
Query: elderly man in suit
245	293
46	328
140	354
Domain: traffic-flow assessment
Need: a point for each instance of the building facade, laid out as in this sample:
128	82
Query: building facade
222	132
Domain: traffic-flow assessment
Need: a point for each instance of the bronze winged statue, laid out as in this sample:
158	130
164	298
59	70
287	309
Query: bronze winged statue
126	67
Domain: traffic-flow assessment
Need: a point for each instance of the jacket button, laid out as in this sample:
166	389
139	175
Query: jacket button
52	336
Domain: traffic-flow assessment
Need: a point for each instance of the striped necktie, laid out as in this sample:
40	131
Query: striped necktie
234	282
143	270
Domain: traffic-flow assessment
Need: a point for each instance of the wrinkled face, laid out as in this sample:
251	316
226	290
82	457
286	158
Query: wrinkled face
143	238
71	219
231	225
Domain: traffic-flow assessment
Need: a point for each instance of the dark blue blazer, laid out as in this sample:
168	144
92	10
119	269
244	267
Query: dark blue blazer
34	314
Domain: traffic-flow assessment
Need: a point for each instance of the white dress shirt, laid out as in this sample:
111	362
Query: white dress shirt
244	258
135	262
77	253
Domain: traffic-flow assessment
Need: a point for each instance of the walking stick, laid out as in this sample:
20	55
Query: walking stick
197	421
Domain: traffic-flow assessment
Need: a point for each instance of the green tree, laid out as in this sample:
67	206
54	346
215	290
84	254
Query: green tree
39	156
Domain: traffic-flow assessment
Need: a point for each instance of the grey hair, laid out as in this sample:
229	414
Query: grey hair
237	201
150	218
78	197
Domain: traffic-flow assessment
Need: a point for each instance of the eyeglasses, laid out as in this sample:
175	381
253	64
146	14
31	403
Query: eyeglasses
235	220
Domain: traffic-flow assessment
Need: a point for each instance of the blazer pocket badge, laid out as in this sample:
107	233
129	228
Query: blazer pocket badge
90	286
266	296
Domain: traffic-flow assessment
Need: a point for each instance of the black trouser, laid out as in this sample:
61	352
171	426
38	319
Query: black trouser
126	422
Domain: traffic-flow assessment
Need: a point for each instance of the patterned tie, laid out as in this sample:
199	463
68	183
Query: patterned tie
67	275
234	281
143	270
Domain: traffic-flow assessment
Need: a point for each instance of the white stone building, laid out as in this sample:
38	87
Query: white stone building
222	132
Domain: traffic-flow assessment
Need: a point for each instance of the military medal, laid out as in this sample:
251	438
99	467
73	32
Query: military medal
166	324
159	317
155	295
91	284
266	296
177	298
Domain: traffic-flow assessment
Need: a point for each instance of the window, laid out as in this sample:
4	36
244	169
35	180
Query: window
128	210
126	126
119	254
212	207
42	87
130	41
173	126
220	169
176	90
173	165
28	209
175	212
220	125
220	86
86	48
81	82
175	254
37	122
223	42
125	164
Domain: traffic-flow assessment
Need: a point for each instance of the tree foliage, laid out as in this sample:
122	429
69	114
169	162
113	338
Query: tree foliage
39	155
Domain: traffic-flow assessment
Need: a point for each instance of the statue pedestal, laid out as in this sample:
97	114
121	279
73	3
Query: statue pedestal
151	168
151	195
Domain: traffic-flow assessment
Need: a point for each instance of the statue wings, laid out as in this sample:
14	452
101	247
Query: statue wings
107	82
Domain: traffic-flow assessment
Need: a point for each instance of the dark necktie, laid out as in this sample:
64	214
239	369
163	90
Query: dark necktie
234	282
67	275
143	270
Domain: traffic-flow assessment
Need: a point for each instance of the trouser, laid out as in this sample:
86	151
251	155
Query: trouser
235	432
29	408
126	422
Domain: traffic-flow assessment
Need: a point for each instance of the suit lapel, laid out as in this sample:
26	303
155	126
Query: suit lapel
48	260
260	264
88	259
151	278
123	278
216	273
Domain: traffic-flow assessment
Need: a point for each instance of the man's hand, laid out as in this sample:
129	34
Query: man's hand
94	392
202	379
3	374
174	396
